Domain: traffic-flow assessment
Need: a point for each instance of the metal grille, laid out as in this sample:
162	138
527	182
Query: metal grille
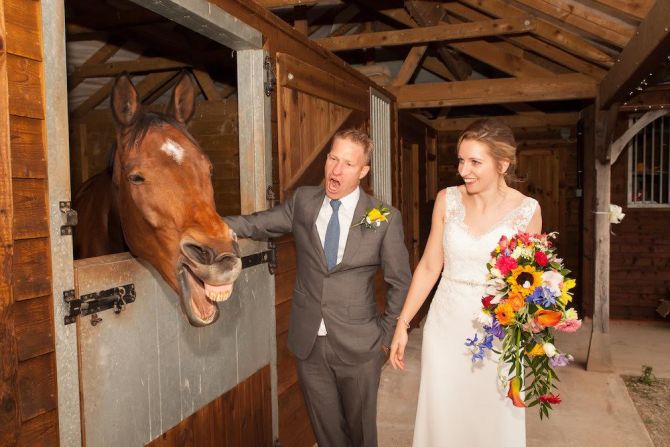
648	159
380	126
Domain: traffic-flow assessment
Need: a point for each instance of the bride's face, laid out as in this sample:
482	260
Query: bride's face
479	170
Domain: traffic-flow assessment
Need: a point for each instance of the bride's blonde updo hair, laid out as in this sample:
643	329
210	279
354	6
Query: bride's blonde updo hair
499	138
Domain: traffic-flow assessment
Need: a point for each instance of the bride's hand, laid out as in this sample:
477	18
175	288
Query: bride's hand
398	348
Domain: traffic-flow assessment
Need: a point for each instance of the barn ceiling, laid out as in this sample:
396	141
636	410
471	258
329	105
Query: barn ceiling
450	59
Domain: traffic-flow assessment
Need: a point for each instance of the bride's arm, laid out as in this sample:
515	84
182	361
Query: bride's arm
427	272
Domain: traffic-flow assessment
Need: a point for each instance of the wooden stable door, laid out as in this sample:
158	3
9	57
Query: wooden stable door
540	169
312	105
409	199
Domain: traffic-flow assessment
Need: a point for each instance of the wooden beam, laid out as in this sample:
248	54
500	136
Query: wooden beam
535	120
560	37
436	66
534	44
284	3
594	22
637	9
92	101
300	22
207	85
499	58
652	98
409	65
495	91
425	14
641	57
154	85
620	144
105	52
141	65
428	34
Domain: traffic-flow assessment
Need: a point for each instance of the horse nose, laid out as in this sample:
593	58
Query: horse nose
227	261
200	254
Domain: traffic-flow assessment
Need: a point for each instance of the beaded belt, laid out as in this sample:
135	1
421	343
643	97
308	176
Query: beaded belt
465	281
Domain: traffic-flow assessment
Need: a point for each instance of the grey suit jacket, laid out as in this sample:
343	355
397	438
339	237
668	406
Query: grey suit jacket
345	295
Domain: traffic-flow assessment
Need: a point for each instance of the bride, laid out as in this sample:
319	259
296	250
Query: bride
460	402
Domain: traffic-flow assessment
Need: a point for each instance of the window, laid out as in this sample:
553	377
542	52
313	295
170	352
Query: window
648	157
380	127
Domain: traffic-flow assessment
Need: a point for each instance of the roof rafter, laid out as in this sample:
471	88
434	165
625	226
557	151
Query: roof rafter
531	120
495	91
429	34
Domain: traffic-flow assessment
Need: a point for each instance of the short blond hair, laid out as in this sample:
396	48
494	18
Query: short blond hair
358	137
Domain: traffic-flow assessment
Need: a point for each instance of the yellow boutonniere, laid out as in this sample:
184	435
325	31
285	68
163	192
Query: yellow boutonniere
374	217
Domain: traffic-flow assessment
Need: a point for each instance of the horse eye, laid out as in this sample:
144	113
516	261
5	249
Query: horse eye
136	179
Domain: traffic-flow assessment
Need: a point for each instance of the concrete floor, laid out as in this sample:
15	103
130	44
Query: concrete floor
596	410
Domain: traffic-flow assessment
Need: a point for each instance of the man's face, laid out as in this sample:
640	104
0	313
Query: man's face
345	167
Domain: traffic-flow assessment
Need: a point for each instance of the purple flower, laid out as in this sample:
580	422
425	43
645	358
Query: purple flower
542	296
560	360
495	329
471	341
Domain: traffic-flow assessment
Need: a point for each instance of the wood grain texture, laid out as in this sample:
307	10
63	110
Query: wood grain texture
33	325
25	87
23	21
37	386
240	417
40	431
31	215
28	149
31	269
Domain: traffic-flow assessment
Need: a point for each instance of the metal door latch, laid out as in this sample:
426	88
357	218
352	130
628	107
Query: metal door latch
71	219
115	298
269	256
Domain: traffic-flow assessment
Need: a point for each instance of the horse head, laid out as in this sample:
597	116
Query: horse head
166	200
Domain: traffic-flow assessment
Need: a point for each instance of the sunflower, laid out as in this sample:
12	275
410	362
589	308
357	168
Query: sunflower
524	279
504	313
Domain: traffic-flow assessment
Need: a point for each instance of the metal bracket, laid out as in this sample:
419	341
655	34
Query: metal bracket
270	78
115	298
71	218
270	196
269	256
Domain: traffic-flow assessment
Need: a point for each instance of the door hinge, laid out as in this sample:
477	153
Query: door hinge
115	298
269	256
71	218
270	77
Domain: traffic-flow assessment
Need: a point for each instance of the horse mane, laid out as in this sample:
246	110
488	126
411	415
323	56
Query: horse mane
149	120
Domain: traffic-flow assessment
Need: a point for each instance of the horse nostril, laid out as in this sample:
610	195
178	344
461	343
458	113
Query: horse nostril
227	260
199	253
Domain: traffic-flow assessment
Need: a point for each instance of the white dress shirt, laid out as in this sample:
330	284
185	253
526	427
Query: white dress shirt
346	217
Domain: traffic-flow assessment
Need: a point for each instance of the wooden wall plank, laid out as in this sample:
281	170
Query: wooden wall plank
40	431
28	150
25	87
295	429
37	386
32	271
240	417
33	324
31	217
9	412
23	19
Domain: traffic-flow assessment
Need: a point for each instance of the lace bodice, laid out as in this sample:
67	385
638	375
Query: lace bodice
466	254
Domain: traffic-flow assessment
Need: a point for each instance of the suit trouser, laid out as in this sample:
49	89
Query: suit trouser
341	399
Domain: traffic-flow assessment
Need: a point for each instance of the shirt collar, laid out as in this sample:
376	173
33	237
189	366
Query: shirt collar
350	200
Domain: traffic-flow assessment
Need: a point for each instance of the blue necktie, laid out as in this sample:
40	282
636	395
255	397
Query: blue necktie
332	240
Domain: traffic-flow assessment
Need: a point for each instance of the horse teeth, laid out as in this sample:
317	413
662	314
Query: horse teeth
219	296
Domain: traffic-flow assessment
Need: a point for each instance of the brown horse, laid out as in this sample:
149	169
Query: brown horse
158	200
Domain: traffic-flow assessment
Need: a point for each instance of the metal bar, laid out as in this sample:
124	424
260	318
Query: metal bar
660	174
644	165
652	176
635	180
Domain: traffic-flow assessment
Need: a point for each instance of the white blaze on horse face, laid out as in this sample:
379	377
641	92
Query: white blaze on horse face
174	150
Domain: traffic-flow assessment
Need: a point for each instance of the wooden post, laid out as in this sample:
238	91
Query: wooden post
599	356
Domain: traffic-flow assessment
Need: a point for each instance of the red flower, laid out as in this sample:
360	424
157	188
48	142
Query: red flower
551	398
504	242
541	258
486	301
524	238
506	264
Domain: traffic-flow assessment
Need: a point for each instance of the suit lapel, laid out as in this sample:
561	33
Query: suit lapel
356	233
314	206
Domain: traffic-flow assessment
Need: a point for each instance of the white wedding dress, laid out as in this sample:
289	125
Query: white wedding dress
460	403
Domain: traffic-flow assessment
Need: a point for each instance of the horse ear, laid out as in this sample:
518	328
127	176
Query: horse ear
125	101
182	103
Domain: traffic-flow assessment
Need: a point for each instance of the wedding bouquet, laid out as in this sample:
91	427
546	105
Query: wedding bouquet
528	292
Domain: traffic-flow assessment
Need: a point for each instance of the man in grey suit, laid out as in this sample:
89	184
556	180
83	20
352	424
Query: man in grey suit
335	332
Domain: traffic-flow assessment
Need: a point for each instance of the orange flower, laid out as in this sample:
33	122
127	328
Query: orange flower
504	313
514	392
547	318
516	300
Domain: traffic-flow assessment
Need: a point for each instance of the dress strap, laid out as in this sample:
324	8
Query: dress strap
521	217
452	209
